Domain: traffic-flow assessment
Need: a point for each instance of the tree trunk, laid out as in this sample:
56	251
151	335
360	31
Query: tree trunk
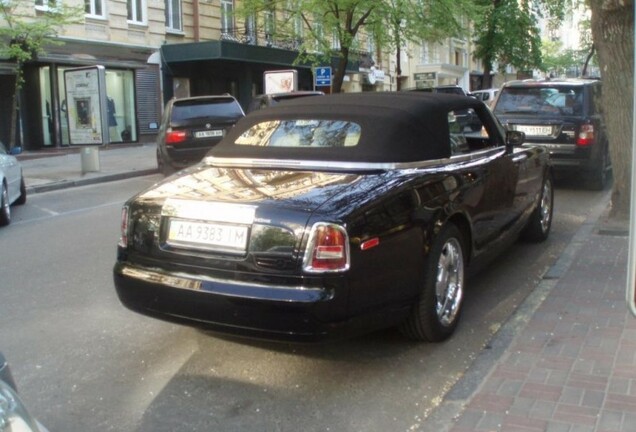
587	61
486	80
613	34
338	78
398	66
14	106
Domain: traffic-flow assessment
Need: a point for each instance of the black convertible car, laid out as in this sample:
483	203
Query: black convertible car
334	215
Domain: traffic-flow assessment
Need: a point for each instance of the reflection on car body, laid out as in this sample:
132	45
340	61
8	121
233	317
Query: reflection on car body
325	217
14	417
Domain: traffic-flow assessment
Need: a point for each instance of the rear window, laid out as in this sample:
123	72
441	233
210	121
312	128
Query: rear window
561	100
187	110
450	90
302	134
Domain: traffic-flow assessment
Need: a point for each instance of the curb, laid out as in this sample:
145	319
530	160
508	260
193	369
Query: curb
462	392
65	184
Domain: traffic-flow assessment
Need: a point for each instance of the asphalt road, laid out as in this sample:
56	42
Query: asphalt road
85	363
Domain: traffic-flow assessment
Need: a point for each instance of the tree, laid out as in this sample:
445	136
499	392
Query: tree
613	34
558	61
421	21
508	33
335	26
23	36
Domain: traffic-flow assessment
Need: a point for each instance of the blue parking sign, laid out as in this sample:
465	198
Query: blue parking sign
323	76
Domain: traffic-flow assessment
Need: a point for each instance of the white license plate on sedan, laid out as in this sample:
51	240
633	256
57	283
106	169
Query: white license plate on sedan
209	133
535	130
205	235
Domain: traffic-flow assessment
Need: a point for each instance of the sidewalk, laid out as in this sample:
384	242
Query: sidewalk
45	171
564	362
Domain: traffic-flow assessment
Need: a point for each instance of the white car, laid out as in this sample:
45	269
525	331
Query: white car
487	96
12	186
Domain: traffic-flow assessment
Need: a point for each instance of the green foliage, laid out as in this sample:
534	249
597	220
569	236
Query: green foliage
508	32
25	35
348	24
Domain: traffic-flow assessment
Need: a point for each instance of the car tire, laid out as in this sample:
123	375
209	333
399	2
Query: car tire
5	209
540	222
435	315
23	193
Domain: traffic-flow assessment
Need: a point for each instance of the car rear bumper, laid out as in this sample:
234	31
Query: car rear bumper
566	157
254	310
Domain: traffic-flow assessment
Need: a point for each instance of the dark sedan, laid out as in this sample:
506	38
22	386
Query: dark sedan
334	215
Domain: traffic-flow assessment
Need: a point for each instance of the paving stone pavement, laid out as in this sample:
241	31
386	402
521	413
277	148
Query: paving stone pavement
572	367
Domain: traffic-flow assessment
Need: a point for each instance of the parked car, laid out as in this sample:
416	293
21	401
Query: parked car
12	186
268	100
564	117
190	127
487	96
324	217
14	416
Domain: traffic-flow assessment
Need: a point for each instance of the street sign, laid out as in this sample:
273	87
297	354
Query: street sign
323	76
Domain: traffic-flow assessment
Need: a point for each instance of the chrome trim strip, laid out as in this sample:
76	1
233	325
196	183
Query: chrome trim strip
442	164
216	286
209	211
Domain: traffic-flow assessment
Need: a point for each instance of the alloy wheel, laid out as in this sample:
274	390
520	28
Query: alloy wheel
449	286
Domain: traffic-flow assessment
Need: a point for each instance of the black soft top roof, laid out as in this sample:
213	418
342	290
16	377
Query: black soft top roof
395	127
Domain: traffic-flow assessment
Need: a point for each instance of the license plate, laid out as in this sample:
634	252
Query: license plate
209	133
535	130
205	235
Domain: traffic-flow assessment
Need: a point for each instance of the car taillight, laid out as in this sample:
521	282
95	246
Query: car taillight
175	137
327	250
123	239
586	135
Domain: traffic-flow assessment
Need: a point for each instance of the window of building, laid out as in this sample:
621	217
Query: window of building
319	32
269	17
227	16
45	4
173	15
122	119
335	39
137	11
94	8
250	30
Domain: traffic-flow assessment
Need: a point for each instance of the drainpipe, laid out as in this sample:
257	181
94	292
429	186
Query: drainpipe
195	20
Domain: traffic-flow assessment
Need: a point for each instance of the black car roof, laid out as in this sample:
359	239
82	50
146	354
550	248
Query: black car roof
396	127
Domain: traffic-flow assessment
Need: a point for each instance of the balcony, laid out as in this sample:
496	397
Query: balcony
262	38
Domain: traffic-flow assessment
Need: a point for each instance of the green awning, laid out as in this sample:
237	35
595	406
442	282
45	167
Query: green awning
235	51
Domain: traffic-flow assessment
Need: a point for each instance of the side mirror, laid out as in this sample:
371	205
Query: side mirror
15	151
515	138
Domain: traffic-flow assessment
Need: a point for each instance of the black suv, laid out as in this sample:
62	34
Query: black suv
563	116
190	127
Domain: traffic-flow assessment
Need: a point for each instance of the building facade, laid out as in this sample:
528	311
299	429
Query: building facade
124	37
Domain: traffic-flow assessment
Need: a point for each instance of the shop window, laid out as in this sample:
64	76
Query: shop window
46	108
120	91
136	11
173	15
94	8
